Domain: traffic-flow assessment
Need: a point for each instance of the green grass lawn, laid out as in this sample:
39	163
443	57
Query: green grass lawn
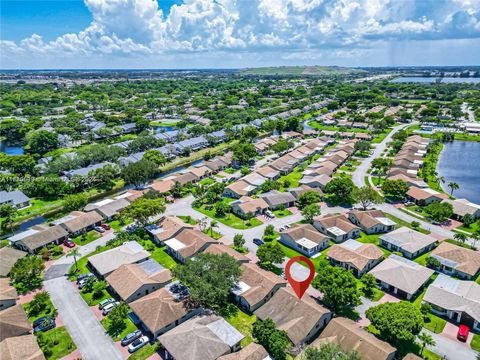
422	259
282	213
88	238
38	207
401	223
56	343
474	227
145	352
188	219
290	253
230	219
240	321
435	323
161	256
214	234
207	181
91	301
294	177
48	311
475	344
114	334
230	170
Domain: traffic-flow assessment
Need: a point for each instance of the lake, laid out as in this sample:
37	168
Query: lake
428	80
459	162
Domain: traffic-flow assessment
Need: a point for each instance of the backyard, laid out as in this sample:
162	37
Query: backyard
229	219
56	343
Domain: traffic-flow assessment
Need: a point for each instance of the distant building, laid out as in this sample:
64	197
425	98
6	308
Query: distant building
16	199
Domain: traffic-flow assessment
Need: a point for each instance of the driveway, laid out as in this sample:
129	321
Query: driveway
81	323
451	349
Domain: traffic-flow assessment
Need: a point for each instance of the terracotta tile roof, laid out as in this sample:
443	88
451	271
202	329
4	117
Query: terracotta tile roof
9	257
368	219
163	186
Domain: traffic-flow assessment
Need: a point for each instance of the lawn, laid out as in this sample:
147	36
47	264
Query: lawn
160	255
56	343
230	219
188	219
475	344
474	227
422	259
129	327
214	234
434	323
88	238
145	352
207	181
240	321
282	213
373	239
49	310
91	301
293	178
290	253
401	223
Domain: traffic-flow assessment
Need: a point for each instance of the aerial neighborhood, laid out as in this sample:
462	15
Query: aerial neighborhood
152	216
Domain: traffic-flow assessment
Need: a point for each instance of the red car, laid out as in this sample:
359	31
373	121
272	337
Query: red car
463	332
69	243
105	226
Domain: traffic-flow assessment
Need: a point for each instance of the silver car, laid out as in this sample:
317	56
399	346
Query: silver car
137	344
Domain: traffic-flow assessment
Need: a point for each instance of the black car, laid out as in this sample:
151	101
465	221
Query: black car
129	338
43	324
258	242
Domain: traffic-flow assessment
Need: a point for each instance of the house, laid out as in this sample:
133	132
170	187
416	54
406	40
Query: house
409	180
14	322
78	222
188	243
457	261
409	242
254	179
268	172
255	287
163	186
132	281
38	237
314	180
166	228
276	199
16	199
193	144
301	319
201	172
302	189
21	348
108	208
204	337
252	351
186	178
86	170
219	249
458	300
372	221
162	310
336	226
108	261
305	239
424	196
355	256
246	206
401	276
238	189
9	257
462	207
8	294
351	337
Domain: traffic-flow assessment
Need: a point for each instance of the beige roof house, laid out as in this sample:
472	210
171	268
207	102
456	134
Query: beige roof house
371	221
252	351
14	322
247	205
108	208
128	253
256	286
239	188
356	255
77	221
408	241
201	338
336	226
187	243
304	238
8	294
462	207
460	259
167	227
9	257
298	318
131	281
401	274
268	172
163	186
425	195
351	337
21	348
44	236
219	249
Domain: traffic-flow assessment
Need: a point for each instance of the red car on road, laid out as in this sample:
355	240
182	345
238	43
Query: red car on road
463	332
105	226
69	243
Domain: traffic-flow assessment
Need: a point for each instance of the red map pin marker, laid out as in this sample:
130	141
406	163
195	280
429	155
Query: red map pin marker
300	286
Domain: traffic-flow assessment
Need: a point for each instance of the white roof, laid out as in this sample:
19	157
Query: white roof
174	244
225	332
306	243
123	196
22	235
386	221
103	202
336	231
352	244
240	288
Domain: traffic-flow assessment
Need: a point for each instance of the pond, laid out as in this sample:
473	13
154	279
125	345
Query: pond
428	80
459	162
10	149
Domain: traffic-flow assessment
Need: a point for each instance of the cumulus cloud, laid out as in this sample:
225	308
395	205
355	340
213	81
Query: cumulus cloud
140	26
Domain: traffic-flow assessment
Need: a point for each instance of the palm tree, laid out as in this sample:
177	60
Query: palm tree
460	237
453	186
74	253
426	339
202	224
213	225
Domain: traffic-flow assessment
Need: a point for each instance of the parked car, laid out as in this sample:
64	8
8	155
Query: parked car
258	242
43	324
129	338
105	226
463	331
286	226
269	214
105	303
99	229
82	282
69	243
83	276
109	308
137	344
281	228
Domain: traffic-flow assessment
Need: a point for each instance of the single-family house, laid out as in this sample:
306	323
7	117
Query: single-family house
219	249
305	239
161	310
38	237
166	228
355	256
14	322
456	260
8	294
238	189
336	227
302	189
254	179
163	186
401	276
108	261
314	180
247	206
78	222
205	337
424	196
252	351
276	199
462	207
351	337
108	208
132	281
187	243
255	287
302	319
15	198
9	256
21	348
268	172
186	178
409	242
372	221
458	300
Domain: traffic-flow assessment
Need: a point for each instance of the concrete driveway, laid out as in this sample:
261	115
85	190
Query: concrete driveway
450	349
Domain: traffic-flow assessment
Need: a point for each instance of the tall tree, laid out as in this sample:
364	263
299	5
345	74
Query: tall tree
367	196
453	186
26	274
138	173
310	211
270	254
426	340
142	209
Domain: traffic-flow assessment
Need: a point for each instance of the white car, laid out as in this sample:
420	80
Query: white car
109	307
286	226
137	344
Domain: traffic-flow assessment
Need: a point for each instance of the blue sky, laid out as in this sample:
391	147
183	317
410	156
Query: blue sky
237	33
